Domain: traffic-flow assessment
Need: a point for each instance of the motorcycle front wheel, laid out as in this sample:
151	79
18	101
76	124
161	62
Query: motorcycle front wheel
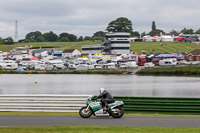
117	113
85	113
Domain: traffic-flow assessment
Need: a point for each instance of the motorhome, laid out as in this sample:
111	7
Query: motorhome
58	64
131	64
168	62
109	66
8	64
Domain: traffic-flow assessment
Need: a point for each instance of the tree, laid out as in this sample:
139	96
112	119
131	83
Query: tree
40	39
80	38
174	32
187	31
32	36
135	34
87	38
63	35
153	26
198	31
99	34
8	41
155	31
1	41
72	38
143	34
64	39
50	37
120	25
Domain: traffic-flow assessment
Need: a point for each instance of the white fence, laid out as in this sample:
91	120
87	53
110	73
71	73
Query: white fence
42	103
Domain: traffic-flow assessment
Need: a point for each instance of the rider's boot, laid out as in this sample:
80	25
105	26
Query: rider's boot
104	110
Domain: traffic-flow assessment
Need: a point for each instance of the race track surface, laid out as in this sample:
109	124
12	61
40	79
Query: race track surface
18	120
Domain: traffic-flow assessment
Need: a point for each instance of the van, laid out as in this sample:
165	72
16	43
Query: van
168	62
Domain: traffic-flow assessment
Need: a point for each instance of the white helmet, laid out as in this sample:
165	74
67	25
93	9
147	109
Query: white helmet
102	90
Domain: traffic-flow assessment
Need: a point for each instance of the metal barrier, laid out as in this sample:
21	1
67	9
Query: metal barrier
72	103
161	104
42	103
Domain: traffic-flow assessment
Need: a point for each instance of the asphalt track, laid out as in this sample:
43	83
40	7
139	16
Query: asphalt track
19	120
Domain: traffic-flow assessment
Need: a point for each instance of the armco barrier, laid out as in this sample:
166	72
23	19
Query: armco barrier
161	104
42	103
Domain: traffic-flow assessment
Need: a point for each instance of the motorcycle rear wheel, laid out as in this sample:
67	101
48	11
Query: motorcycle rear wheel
119	114
85	113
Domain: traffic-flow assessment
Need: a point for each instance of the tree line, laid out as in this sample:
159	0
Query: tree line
121	24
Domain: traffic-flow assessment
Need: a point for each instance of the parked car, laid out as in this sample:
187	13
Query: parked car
184	62
98	66
123	66
149	65
195	62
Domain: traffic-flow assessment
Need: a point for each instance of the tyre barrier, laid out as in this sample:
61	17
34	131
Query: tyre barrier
177	105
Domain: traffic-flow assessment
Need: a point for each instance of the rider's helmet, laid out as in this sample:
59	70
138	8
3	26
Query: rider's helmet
102	90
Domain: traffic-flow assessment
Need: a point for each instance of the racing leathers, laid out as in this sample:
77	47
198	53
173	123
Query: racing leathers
106	99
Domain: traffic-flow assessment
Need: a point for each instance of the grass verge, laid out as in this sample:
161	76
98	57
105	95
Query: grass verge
138	47
94	129
76	114
109	71
174	71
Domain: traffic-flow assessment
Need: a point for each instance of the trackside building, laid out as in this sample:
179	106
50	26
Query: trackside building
117	43
114	44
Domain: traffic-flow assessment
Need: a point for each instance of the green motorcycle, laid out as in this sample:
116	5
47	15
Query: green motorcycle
94	107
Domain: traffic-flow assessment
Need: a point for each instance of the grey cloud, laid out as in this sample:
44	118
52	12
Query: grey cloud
84	17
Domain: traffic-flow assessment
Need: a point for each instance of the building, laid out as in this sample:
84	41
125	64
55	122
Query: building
92	49
57	53
117	43
114	44
71	53
193	55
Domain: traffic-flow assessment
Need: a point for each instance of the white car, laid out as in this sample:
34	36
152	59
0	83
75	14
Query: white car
195	62
98	66
123	66
149	65
184	62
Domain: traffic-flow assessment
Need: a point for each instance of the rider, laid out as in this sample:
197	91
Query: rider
106	98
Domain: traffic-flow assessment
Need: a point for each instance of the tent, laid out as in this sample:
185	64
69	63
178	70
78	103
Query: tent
167	38
34	58
173	55
180	38
20	69
153	39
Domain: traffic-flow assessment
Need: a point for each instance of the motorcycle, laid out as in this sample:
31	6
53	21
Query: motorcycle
94	106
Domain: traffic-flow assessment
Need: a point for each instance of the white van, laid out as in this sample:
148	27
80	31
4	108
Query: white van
168	62
131	64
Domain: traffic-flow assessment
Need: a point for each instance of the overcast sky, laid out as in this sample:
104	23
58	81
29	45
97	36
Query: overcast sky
85	17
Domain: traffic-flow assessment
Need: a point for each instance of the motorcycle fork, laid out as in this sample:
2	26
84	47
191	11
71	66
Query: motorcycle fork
87	108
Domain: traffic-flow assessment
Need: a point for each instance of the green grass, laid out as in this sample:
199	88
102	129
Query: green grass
179	71
95	129
61	45
137	47
77	114
104	71
171	47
